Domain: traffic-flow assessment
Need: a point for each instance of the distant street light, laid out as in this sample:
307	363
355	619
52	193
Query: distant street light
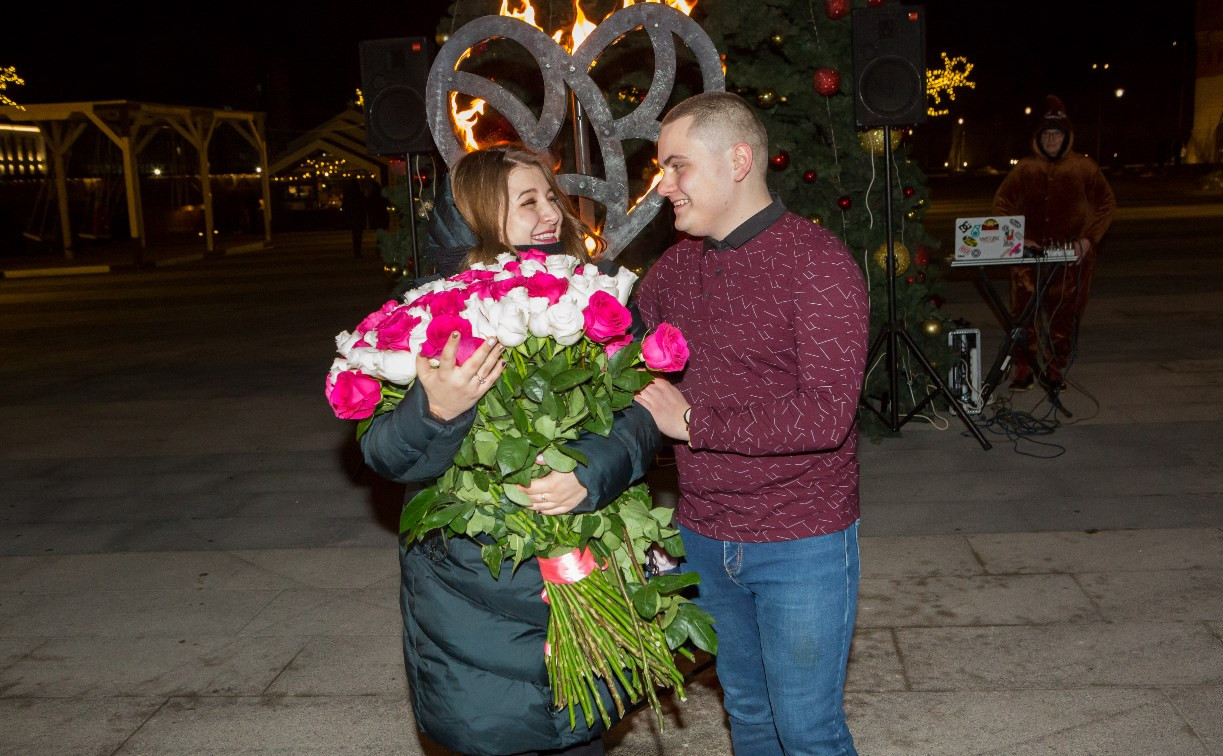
1119	93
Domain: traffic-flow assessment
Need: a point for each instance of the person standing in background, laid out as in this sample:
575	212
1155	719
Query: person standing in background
1064	199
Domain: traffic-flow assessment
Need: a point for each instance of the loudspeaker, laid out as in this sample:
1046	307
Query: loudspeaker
889	46
393	77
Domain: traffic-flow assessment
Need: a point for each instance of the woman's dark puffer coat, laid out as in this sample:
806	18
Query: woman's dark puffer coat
473	646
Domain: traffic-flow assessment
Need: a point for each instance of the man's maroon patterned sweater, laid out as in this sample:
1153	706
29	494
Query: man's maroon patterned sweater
776	317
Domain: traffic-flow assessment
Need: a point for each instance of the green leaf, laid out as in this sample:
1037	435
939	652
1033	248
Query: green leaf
512	454
624	358
523	477
480	480
663	515
538	440
546	427
534	387
577	403
516	495
558	460
667	585
445	515
485	445
700	627
550	406
570	378
569	451
588	525
363	426
415	509
632	381
646	601
492	555
480	522
520	418
674	545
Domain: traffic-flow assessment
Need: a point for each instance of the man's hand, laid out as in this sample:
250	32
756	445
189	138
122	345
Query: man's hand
667	405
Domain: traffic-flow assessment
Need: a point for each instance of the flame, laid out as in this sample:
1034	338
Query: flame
465	120
527	13
657	177
680	5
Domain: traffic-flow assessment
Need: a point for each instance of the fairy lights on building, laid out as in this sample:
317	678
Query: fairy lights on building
944	81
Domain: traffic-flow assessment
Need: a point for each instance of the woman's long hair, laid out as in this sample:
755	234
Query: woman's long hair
480	183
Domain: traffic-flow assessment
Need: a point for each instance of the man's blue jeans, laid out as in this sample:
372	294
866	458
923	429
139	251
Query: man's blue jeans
785	615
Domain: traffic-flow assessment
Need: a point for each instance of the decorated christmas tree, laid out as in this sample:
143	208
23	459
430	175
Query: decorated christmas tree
793	60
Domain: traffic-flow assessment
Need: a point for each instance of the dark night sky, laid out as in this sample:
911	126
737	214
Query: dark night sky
301	67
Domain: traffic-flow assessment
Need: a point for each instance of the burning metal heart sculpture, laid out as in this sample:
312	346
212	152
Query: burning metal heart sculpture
561	70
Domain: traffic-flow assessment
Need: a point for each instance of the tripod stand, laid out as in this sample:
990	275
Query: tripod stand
893	334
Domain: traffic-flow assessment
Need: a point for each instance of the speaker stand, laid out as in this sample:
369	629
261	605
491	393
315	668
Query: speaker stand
893	335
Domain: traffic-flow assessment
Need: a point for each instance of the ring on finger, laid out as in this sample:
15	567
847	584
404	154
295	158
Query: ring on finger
480	379
435	363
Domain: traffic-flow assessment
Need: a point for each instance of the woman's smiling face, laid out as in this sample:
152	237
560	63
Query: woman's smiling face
533	215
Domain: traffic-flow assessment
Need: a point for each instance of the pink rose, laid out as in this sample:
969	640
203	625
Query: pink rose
605	317
500	288
665	350
512	266
353	395
473	274
396	330
547	285
438	332
449	302
617	343
372	321
533	254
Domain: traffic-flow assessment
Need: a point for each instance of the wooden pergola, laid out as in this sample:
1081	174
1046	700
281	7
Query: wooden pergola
131	126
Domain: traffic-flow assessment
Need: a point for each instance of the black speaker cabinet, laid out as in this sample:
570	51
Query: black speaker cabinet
393	77
889	45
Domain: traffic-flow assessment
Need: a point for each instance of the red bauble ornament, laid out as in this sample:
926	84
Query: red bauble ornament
921	256
845	203
908	190
809	177
826	81
910	279
836	9
780	161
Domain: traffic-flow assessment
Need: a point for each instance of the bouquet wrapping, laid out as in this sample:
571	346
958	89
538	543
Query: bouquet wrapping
571	363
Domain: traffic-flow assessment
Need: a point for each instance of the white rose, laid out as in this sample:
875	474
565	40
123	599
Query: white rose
538	318
417	338
504	258
479	312
338	365
363	359
607	284
565	323
531	267
396	366
345	341
512	321
561	266
625	279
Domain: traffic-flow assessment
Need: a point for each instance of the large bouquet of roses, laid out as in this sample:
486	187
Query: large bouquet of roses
570	364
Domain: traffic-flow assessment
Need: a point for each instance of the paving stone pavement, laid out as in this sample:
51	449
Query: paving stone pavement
193	561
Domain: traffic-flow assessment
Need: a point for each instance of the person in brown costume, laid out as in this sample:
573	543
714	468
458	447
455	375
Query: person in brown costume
1065	201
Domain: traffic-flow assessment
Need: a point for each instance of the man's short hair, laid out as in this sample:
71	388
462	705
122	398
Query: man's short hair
722	119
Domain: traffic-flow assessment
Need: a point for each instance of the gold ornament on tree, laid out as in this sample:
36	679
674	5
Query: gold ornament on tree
872	141
766	98
932	327
902	257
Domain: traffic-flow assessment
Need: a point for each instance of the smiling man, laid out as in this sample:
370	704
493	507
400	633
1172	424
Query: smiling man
776	317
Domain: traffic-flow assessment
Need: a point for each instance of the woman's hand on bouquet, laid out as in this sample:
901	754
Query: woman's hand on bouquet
452	388
556	493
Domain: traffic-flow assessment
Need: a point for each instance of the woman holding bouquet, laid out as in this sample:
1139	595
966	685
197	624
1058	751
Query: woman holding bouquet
474	645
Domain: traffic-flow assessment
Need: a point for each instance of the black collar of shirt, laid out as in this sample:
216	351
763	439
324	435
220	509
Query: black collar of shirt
750	228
